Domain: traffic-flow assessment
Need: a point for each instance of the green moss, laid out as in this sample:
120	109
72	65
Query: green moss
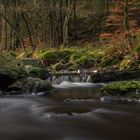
35	71
58	66
128	64
52	57
65	54
85	61
10	65
97	54
74	66
112	56
109	61
83	57
137	49
123	88
75	56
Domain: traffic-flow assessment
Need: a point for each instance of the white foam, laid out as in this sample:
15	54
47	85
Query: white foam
66	84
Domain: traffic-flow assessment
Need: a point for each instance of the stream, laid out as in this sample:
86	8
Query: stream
73	112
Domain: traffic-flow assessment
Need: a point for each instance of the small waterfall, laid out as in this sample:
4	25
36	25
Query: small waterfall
84	78
67	78
70	77
89	79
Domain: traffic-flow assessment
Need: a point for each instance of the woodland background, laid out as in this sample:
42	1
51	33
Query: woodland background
52	23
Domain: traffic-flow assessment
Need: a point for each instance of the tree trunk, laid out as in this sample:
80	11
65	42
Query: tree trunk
5	27
66	23
10	24
61	22
74	18
126	25
28	30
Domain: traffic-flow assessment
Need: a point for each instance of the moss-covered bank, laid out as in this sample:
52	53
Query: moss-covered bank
85	58
129	89
18	76
71	59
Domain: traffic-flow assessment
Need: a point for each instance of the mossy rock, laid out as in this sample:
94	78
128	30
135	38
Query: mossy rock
109	61
85	61
31	61
10	70
34	85
128	63
75	56
137	49
81	61
53	57
33	71
129	89
65	54
97	55
29	85
58	66
50	57
10	65
74	66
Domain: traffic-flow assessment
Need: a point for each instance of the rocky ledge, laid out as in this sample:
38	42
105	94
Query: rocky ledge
22	76
115	75
125	89
29	85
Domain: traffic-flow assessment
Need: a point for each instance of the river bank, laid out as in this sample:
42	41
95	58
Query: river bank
29	75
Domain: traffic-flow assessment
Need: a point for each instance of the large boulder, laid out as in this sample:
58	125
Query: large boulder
125	89
5	80
30	85
34	71
10	70
34	68
35	85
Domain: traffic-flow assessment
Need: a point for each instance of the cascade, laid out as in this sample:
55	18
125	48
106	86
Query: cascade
70	78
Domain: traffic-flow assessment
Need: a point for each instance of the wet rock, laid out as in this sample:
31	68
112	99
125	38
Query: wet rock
34	68
5	81
34	85
125	89
34	71
1	93
15	89
10	70
30	85
31	61
58	66
110	76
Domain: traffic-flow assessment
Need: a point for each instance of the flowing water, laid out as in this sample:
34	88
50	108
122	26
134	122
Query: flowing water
73	112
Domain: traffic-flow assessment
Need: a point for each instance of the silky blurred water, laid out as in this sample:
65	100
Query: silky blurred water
73	112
